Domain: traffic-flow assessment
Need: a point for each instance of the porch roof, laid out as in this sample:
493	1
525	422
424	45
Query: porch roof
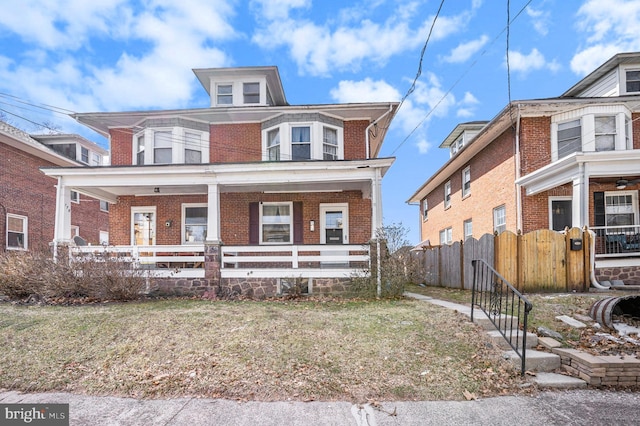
107	183
604	164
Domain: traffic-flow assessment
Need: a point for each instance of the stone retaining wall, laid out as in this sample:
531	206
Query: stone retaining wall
628	274
609	370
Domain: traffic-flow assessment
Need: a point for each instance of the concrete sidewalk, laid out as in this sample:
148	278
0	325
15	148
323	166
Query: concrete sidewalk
582	407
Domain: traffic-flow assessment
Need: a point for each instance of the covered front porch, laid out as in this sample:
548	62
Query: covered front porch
248	226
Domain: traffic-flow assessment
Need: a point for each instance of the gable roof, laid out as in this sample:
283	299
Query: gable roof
602	70
21	140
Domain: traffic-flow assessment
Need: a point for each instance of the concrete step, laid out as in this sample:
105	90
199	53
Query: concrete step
484	321
558	381
515	337
535	360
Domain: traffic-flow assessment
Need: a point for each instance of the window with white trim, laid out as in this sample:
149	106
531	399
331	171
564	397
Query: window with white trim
75	197
569	138
303	141
84	155
171	145
75	231
224	94
273	144
251	93
621	208
632	81
96	159
104	206
447	194
466	182
467	228
17	232
276	223
329	143
425	210
605	132
104	238
194	219
500	219
446	236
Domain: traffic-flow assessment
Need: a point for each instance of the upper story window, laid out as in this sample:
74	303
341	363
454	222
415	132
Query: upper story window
633	81
447	195
75	196
96	159
303	141
104	206
425	209
466	182
84	155
173	145
456	146
224	94
251	93
591	129
569	138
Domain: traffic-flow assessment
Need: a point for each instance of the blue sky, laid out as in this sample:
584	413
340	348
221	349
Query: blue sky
119	55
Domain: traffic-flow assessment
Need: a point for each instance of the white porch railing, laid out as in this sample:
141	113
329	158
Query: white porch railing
179	261
305	261
617	241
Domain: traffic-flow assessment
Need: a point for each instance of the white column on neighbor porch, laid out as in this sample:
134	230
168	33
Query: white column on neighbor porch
213	215
376	203
62	231
580	199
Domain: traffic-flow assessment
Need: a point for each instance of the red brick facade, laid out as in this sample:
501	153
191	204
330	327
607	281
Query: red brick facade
25	191
234	143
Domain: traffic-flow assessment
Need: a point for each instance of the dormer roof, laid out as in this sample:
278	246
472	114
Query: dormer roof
629	58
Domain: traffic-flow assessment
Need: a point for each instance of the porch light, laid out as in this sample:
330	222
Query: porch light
156	189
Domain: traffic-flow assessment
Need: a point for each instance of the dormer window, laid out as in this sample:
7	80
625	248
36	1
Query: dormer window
225	94
251	93
633	81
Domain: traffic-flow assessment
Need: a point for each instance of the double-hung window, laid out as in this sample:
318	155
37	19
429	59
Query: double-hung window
569	138
84	155
162	143
17	227
104	206
466	182
96	159
276	223
605	133
500	219
425	209
329	143
467	228
75	196
192	148
301	143
273	145
446	236
633	81
194	218
224	95
620	208
251	93
140	151
447	195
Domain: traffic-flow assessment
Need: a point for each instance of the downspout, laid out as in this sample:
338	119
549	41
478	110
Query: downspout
368	129
518	168
592	260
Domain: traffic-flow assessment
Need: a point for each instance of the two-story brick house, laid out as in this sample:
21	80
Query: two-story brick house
570	161
28	198
262	191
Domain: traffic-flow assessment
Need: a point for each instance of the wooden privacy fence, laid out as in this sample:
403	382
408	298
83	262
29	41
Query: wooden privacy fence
543	260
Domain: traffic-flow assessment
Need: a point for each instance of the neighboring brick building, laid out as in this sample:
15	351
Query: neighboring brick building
248	176
570	161
28	197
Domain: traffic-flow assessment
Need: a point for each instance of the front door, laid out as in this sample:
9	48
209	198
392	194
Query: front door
560	214
334	228
143	226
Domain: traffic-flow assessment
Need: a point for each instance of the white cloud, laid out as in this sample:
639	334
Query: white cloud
611	27
423	146
464	51
466	107
278	9
366	90
319	49
539	19
525	63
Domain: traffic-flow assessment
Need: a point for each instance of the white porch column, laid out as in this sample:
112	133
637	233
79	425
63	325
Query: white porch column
62	231
376	203
580	200
213	215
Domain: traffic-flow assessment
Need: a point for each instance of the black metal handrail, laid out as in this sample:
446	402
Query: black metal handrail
503	304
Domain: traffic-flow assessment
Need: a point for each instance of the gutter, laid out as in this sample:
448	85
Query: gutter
368	129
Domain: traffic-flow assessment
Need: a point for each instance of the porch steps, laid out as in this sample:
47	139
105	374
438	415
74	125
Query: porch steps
535	360
503	342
